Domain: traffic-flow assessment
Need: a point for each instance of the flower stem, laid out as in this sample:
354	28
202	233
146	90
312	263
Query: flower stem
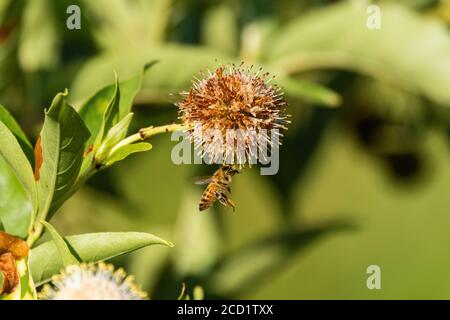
148	132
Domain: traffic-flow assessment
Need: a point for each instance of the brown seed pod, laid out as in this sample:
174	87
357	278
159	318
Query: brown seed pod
10	275
14	245
11	249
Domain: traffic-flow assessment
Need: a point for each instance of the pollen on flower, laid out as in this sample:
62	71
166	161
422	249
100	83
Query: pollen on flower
239	107
92	282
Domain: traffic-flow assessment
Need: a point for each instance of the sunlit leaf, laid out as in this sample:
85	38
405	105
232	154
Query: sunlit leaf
15	206
123	152
63	137
62	247
16	177
92	247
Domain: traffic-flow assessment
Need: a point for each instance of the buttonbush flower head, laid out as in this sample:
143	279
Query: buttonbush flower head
233	98
92	282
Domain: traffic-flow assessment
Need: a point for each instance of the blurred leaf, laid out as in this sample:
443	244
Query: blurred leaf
310	92
45	260
128	23
196	235
253	264
408	51
127	150
171	75
198	293
220	20
15	206
62	247
1	279
10	139
114	135
38	49
63	137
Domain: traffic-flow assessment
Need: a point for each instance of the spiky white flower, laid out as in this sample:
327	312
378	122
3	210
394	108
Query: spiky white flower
92	282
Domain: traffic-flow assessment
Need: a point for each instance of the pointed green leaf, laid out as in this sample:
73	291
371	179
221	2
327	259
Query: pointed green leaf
62	247
115	134
62	139
14	150
15	206
124	151
92	247
110	116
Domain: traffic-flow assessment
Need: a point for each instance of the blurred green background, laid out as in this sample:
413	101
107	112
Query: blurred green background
364	176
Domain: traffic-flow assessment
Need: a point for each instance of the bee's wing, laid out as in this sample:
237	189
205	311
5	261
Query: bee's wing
202	180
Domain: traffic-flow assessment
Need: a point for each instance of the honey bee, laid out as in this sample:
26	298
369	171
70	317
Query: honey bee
218	187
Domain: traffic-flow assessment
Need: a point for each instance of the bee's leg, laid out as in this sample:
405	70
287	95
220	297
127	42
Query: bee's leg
230	203
223	199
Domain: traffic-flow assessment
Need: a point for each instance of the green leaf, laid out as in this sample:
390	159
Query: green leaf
12	125
11	140
310	92
15	206
1	279
198	293
45	260
62	138
124	151
115	134
62	247
93	109
110	115
145	20
409	50
256	262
